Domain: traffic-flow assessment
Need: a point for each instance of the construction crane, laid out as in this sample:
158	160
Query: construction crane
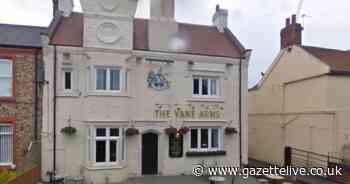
300	7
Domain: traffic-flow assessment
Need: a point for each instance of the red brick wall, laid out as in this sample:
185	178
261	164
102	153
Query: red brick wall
30	177
20	107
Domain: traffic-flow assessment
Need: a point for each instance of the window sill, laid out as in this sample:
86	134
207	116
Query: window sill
207	99
205	153
8	99
108	94
106	167
6	164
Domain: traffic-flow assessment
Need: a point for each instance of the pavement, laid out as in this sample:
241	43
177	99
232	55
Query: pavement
304	179
185	180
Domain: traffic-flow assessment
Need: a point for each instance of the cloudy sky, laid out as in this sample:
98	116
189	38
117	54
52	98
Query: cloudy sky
255	22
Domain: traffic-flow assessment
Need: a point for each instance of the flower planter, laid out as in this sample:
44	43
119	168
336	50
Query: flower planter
171	130
230	131
69	130
183	130
132	132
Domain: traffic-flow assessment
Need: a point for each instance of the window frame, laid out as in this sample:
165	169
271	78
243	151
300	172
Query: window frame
64	71
12	62
108	78
120	150
199	140
9	123
200	83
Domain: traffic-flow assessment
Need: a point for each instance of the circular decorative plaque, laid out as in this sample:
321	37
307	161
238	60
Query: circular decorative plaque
108	32
109	5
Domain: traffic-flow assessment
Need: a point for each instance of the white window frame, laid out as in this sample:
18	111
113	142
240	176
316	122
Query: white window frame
121	150
108	69
64	71
210	148
209	95
8	77
11	146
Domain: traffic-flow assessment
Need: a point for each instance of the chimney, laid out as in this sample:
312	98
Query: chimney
163	9
291	34
64	6
162	27
220	18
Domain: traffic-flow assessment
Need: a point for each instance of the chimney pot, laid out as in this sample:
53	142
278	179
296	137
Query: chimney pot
294	19
217	7
65	6
287	22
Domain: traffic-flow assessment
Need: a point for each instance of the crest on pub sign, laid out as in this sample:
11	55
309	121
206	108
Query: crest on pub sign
158	80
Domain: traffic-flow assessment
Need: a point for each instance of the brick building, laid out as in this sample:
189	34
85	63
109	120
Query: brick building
20	96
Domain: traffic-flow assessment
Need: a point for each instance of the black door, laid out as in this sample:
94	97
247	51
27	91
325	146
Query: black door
149	154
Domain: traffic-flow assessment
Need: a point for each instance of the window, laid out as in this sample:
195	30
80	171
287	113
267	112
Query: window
205	86
175	145
6	133
68	80
205	139
108	79
6	78
109	146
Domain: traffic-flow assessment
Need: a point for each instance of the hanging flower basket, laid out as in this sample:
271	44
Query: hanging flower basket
132	131
171	130
183	130
69	130
230	131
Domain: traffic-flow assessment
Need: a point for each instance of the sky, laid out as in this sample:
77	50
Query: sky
256	23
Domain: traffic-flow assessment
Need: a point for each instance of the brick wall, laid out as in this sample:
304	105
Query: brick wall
30	177
21	107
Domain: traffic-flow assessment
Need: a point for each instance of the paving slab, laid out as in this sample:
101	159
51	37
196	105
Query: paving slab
185	180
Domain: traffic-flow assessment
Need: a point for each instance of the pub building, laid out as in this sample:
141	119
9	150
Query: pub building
128	97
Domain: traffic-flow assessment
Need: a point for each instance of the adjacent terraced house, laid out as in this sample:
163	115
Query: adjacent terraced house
301	102
20	96
130	97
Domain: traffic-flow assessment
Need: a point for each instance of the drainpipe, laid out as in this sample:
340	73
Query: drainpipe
243	57
54	111
240	111
36	95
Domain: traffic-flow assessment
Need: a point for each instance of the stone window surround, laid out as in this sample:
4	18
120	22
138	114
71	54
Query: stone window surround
120	163
209	78
11	121
10	57
209	149
108	67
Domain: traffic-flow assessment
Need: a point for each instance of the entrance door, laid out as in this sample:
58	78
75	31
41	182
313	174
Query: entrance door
149	154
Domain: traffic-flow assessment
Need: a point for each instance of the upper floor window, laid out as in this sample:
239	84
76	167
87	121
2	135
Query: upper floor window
205	86
6	143
108	79
6	78
68	80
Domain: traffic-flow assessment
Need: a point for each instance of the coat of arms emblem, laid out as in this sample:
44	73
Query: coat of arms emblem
157	80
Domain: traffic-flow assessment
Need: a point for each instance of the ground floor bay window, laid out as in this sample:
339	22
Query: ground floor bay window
6	143
107	146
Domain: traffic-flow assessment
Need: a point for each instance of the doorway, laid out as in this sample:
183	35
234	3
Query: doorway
149	154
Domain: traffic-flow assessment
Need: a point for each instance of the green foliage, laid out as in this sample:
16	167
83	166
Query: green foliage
6	175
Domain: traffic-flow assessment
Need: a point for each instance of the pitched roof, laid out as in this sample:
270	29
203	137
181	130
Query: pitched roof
20	36
337	60
203	40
